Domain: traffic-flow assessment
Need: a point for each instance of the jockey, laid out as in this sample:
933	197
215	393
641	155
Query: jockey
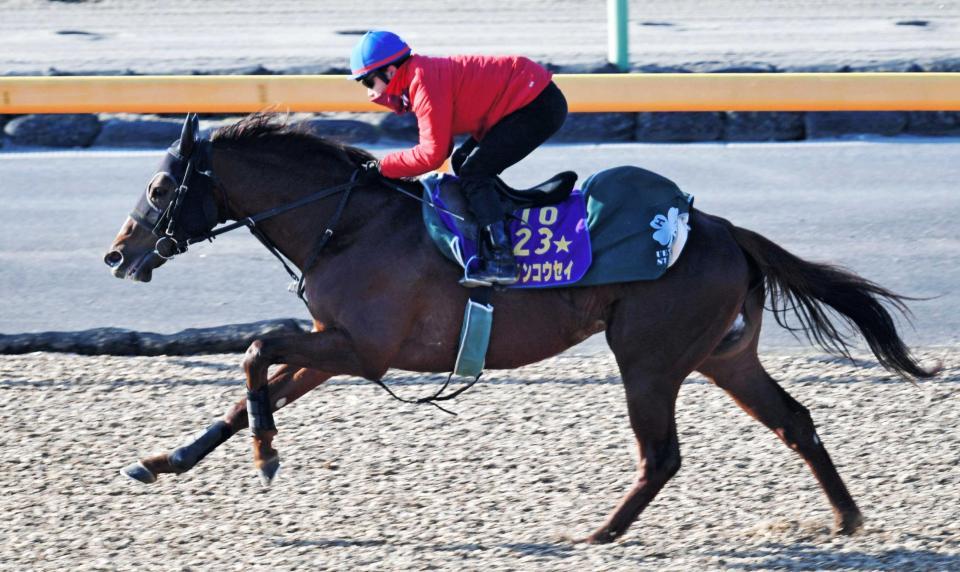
508	106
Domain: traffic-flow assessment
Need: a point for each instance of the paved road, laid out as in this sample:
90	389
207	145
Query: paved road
176	36
887	209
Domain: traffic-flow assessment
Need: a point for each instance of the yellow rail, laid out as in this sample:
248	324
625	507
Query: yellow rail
585	92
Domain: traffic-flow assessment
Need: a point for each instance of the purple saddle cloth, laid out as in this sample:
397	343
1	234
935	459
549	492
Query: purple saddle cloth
551	244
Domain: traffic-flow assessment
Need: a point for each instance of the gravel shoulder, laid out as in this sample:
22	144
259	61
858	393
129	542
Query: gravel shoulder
536	453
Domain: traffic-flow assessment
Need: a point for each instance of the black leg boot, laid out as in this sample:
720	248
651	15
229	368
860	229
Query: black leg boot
497	264
501	264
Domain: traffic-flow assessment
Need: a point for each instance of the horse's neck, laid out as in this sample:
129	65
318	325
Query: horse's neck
253	184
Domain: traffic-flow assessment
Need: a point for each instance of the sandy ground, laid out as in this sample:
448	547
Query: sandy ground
112	36
536	453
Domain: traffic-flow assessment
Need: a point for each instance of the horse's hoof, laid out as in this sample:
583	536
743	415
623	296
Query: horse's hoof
574	539
269	471
138	472
849	524
599	537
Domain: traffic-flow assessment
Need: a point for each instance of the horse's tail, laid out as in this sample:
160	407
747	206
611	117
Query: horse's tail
808	288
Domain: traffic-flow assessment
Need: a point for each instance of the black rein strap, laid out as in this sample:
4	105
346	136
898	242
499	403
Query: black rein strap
251	223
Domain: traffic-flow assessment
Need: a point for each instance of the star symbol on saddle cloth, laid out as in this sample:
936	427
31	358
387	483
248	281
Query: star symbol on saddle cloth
563	245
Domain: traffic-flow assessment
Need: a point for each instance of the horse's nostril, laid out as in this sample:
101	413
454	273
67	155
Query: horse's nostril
113	259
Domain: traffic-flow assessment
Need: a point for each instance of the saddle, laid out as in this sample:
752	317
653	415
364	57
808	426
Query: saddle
554	190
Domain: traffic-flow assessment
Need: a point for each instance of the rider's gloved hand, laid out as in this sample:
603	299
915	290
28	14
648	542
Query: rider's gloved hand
369	172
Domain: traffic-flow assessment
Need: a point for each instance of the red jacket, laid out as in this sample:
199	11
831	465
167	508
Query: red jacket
458	95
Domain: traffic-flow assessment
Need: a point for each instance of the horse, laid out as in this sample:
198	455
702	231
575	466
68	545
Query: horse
381	296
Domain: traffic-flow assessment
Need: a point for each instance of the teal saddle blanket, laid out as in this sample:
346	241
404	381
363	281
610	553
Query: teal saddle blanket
625	224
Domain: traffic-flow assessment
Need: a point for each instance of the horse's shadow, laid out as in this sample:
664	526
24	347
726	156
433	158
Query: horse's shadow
770	556
774	556
525	548
558	550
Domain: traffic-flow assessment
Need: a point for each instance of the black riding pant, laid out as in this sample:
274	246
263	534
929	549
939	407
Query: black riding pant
510	140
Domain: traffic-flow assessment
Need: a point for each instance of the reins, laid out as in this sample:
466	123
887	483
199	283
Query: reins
254	219
251	223
432	399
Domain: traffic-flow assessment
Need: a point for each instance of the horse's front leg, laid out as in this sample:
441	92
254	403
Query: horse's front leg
287	384
328	351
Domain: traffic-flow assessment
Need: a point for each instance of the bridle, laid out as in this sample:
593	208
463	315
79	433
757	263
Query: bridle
192	214
174	226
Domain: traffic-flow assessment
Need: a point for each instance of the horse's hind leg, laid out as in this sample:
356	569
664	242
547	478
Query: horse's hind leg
286	385
743	377
650	404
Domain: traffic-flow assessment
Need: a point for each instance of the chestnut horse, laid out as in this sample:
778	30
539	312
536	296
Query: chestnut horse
381	296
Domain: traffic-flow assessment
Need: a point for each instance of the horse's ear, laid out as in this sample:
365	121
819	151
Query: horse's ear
188	137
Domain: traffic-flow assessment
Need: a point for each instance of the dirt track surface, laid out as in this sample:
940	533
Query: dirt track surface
536	454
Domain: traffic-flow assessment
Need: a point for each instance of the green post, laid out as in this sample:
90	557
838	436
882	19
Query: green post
618	40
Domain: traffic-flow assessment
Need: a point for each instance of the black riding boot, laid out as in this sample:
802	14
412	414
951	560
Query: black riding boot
497	264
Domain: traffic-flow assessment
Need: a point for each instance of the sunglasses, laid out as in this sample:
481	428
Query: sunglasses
367	81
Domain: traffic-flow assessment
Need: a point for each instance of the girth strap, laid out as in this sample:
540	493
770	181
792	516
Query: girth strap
481	295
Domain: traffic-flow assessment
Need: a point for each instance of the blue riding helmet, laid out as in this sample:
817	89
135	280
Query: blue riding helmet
376	49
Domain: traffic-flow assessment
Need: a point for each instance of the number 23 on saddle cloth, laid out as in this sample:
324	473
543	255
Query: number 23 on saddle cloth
626	224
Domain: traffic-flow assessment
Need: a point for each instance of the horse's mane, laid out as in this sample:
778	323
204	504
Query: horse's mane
275	133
